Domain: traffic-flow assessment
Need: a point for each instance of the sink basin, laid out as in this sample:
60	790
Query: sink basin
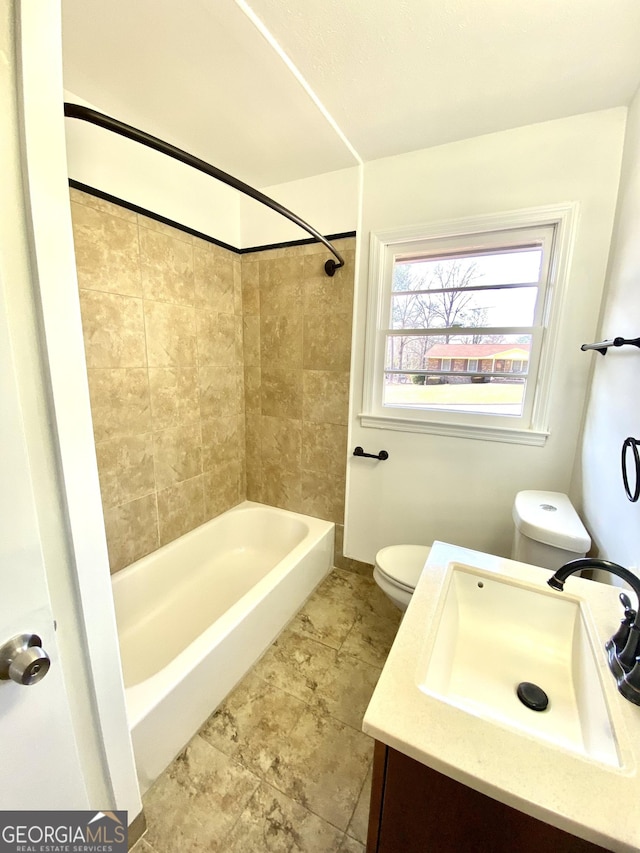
491	633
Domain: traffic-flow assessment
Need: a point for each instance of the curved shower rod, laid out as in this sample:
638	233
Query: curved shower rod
119	127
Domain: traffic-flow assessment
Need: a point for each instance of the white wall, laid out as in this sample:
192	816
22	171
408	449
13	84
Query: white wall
327	202
461	490
613	412
151	180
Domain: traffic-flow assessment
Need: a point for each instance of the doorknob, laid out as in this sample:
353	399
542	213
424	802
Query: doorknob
23	660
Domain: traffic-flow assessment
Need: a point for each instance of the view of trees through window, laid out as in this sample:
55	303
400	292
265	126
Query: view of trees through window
459	334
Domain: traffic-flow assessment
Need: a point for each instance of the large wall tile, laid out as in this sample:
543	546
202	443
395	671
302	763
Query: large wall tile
237	286
163	228
79	197
125	466
281	392
106	249
322	445
216	338
327	342
322	494
132	531
281	285
213	276
222	441
281	442
281	341
252	386
175	396
281	487
119	402
166	268
170	334
325	396
113	329
177	454
219	392
250	288
324	295
251	341
223	488
180	509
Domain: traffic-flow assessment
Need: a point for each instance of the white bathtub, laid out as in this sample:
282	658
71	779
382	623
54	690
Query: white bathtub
194	616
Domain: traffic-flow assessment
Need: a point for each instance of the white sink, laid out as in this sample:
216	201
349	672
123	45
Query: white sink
492	633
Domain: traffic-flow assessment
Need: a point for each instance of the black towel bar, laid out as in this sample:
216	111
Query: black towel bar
382	455
603	346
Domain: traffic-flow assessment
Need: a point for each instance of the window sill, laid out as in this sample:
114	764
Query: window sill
507	435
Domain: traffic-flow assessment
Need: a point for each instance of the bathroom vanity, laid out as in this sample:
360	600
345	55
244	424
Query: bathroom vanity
416	809
460	763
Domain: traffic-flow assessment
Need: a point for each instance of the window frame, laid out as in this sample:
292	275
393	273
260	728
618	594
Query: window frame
533	426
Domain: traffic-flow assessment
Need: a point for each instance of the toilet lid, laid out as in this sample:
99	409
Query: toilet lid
403	564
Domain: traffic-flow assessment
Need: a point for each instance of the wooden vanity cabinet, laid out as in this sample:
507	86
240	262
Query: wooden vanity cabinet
417	810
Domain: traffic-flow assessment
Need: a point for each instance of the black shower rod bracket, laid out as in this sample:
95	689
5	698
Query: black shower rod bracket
108	123
603	346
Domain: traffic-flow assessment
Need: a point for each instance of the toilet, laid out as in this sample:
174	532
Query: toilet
397	570
547	532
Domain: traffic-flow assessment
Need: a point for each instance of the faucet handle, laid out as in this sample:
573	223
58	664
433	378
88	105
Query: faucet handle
625	601
621	636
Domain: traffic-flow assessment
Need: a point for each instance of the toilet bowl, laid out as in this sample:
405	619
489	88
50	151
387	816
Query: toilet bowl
397	570
547	532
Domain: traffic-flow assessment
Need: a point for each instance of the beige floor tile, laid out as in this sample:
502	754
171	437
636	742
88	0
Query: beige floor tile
197	801
274	823
142	846
363	592
296	664
350	845
322	765
251	724
370	638
345	689
359	822
328	616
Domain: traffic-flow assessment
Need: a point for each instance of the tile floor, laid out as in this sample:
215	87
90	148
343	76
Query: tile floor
283	764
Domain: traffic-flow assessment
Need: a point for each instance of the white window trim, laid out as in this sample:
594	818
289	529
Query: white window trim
564	217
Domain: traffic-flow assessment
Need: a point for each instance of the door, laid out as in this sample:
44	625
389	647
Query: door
39	760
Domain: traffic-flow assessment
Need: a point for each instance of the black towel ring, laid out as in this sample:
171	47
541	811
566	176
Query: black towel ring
633	443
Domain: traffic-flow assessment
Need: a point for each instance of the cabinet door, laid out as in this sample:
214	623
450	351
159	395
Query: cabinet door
422	811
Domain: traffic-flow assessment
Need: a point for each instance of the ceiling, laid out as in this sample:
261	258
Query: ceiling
394	75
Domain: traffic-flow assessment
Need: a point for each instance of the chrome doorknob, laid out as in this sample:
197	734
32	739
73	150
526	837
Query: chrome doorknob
23	660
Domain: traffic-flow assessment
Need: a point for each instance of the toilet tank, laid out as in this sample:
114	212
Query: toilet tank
548	531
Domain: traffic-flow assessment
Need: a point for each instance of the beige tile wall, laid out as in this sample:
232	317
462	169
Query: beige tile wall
162	320
210	378
297	349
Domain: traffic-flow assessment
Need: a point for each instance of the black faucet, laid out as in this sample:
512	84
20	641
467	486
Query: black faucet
624	662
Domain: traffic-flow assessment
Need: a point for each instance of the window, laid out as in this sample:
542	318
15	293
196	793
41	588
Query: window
462	325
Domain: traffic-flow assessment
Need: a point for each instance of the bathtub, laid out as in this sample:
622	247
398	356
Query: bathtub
194	616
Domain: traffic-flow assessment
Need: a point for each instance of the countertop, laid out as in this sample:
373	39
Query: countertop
569	791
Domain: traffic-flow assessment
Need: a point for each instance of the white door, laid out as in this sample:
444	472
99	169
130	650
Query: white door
39	759
39	765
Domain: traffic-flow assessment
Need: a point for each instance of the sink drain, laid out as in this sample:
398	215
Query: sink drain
532	696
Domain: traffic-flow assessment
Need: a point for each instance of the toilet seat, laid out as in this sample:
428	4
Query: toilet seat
401	565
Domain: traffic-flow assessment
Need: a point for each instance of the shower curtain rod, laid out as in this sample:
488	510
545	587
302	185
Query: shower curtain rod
119	127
